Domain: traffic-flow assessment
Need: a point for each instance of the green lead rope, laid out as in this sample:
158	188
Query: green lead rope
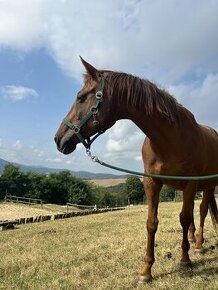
158	176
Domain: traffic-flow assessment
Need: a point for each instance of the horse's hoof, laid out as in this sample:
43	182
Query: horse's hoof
145	279
185	265
199	251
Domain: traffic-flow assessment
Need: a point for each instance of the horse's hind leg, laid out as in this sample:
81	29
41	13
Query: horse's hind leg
203	213
152	189
186	217
191	230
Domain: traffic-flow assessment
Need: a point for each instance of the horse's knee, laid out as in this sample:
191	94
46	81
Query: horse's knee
152	224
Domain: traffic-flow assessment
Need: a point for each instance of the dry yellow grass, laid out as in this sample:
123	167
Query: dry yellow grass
108	182
10	211
101	252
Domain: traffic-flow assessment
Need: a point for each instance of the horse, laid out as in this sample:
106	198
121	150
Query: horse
175	145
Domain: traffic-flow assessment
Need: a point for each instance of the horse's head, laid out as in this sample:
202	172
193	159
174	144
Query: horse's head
91	114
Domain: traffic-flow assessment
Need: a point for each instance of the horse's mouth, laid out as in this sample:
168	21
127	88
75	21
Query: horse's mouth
67	148
66	145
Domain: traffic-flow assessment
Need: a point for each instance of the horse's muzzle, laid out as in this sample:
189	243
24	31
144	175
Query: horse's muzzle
65	144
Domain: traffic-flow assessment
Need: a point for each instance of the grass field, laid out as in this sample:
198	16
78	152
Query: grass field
103	251
11	211
108	182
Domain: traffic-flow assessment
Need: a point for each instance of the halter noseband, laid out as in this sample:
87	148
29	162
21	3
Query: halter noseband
92	114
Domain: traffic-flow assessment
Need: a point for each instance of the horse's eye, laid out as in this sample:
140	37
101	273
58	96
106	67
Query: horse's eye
81	98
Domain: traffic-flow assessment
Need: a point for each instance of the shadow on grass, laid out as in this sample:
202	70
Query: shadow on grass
194	271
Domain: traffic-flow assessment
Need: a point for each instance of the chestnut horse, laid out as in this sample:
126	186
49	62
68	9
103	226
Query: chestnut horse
175	145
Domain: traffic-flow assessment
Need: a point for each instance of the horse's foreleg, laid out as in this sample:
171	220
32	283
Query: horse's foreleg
203	213
152	189
186	217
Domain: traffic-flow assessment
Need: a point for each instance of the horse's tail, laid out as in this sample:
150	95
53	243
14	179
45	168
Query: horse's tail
214	212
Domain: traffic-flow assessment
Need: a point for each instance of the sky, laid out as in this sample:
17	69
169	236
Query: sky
172	43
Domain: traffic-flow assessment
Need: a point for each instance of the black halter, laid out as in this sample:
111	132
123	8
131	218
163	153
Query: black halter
92	114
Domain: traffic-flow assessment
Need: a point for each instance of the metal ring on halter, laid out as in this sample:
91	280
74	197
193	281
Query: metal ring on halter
76	129
95	123
94	110
99	95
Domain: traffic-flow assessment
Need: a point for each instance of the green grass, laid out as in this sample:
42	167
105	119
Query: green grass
103	251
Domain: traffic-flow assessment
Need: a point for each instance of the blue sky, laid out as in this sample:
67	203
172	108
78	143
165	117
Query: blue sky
34	112
173	43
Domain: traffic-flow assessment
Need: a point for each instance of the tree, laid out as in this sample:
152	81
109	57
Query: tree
2	188
36	185
14	181
134	190
167	193
56	187
103	197
80	192
119	194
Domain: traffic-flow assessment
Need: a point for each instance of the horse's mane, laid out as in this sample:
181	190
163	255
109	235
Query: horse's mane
143	93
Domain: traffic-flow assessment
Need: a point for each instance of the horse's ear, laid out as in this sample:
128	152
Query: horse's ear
91	70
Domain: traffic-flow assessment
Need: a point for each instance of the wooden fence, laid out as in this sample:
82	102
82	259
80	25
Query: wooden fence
79	206
43	218
25	200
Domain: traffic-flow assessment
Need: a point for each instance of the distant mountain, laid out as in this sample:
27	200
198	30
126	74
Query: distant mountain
46	170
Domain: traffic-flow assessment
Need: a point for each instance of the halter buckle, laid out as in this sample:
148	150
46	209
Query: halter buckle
94	110
99	95
76	129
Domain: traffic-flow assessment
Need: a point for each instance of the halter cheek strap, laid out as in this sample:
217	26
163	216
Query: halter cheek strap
92	114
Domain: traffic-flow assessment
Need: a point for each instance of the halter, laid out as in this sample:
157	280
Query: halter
92	114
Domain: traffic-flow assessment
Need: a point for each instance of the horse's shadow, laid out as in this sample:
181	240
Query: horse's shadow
190	272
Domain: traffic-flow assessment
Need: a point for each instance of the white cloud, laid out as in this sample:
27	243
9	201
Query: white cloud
17	93
121	146
53	160
23	24
201	98
30	155
162	41
124	137
141	37
17	145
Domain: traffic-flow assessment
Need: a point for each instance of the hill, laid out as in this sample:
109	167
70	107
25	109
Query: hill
47	170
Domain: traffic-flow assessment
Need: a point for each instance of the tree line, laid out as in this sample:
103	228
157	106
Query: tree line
62	187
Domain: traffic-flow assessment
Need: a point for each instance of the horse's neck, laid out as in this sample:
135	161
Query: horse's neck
158	130
166	136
